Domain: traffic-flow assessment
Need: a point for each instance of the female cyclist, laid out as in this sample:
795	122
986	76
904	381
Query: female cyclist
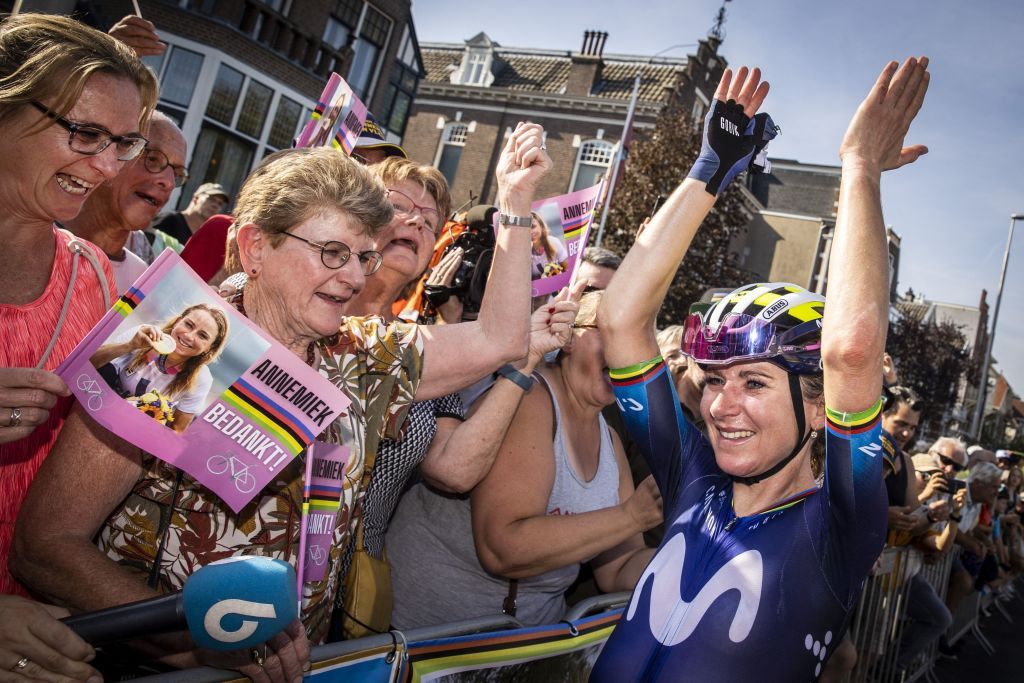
766	548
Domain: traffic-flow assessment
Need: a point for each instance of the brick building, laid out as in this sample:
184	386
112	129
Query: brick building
475	93
793	216
241	76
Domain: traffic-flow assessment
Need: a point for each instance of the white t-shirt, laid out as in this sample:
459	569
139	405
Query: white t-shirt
150	377
538	260
127	270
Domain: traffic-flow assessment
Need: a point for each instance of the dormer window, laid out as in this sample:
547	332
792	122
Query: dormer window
477	62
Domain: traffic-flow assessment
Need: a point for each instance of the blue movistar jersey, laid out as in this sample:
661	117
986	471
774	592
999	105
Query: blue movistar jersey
758	598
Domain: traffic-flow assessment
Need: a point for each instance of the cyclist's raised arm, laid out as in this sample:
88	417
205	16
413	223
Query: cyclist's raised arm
87	473
633	298
857	301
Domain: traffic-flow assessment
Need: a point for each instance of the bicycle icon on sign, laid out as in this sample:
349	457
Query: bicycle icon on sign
92	387
244	481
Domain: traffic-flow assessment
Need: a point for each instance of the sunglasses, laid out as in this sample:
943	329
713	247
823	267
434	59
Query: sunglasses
949	462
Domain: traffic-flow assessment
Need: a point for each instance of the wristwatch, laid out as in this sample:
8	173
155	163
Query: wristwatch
518	221
955	518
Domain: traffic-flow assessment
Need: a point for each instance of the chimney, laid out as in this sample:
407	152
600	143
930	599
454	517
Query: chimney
585	69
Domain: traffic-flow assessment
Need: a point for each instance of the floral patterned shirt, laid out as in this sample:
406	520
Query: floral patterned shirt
378	366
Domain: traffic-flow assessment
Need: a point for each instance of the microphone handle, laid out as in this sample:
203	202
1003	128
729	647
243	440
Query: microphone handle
134	620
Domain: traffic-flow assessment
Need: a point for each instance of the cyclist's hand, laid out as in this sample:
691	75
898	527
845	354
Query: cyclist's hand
644	506
144	336
26	396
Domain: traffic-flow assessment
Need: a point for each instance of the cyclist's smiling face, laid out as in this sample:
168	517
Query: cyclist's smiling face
749	416
194	333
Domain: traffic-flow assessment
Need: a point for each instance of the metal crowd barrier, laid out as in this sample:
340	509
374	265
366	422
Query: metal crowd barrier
395	640
878	622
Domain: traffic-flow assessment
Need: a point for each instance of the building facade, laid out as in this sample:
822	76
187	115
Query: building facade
476	92
241	76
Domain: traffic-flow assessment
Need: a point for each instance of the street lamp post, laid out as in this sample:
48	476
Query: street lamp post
979	409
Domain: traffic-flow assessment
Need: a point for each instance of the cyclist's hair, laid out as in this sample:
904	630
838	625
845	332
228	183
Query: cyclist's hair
50	58
188	373
813	389
396	170
294	185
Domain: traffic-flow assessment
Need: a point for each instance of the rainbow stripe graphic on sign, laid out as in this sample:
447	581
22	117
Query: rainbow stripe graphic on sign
263	411
128	302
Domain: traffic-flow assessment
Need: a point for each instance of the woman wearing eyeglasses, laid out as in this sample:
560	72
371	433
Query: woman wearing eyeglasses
306	221
451	452
72	103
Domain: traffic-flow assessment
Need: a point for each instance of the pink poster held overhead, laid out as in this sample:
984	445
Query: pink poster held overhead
337	119
175	370
559	234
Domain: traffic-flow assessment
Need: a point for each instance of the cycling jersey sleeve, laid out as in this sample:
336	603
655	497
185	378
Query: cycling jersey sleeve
647	399
856	495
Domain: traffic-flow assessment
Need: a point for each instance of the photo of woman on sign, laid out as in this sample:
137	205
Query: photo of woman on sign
549	255
162	369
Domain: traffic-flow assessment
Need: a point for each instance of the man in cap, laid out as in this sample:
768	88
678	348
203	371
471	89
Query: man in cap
371	147
208	200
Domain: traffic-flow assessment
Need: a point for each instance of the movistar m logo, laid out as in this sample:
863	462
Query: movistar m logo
672	619
244	608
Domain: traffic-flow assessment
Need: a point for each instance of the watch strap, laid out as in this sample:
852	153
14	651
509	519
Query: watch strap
518	221
524	382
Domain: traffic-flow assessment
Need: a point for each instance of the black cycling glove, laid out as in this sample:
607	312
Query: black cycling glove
730	142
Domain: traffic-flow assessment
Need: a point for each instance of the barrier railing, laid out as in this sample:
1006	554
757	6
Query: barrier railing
497	641
567	650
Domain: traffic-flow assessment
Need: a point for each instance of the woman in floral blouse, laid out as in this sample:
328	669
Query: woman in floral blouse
305	225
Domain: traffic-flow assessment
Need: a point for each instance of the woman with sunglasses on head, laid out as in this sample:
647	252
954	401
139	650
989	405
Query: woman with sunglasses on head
773	519
306	221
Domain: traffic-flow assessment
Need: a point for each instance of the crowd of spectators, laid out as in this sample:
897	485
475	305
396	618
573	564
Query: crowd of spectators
486	447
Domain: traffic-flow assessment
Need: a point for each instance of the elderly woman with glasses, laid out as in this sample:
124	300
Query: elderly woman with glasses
306	221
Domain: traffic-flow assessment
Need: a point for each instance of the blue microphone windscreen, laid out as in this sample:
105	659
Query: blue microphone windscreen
239	602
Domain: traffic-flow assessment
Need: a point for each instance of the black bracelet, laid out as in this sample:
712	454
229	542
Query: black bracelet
524	382
955	518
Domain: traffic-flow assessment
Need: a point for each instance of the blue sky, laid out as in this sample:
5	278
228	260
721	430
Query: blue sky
952	207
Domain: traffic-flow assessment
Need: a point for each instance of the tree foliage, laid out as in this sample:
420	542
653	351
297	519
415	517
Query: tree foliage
658	162
930	358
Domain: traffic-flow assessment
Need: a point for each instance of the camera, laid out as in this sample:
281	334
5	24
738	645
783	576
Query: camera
469	282
957	484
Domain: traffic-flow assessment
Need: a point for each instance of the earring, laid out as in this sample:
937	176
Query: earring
253	271
814	434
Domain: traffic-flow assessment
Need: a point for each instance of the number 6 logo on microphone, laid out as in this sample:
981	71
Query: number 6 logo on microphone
243	608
